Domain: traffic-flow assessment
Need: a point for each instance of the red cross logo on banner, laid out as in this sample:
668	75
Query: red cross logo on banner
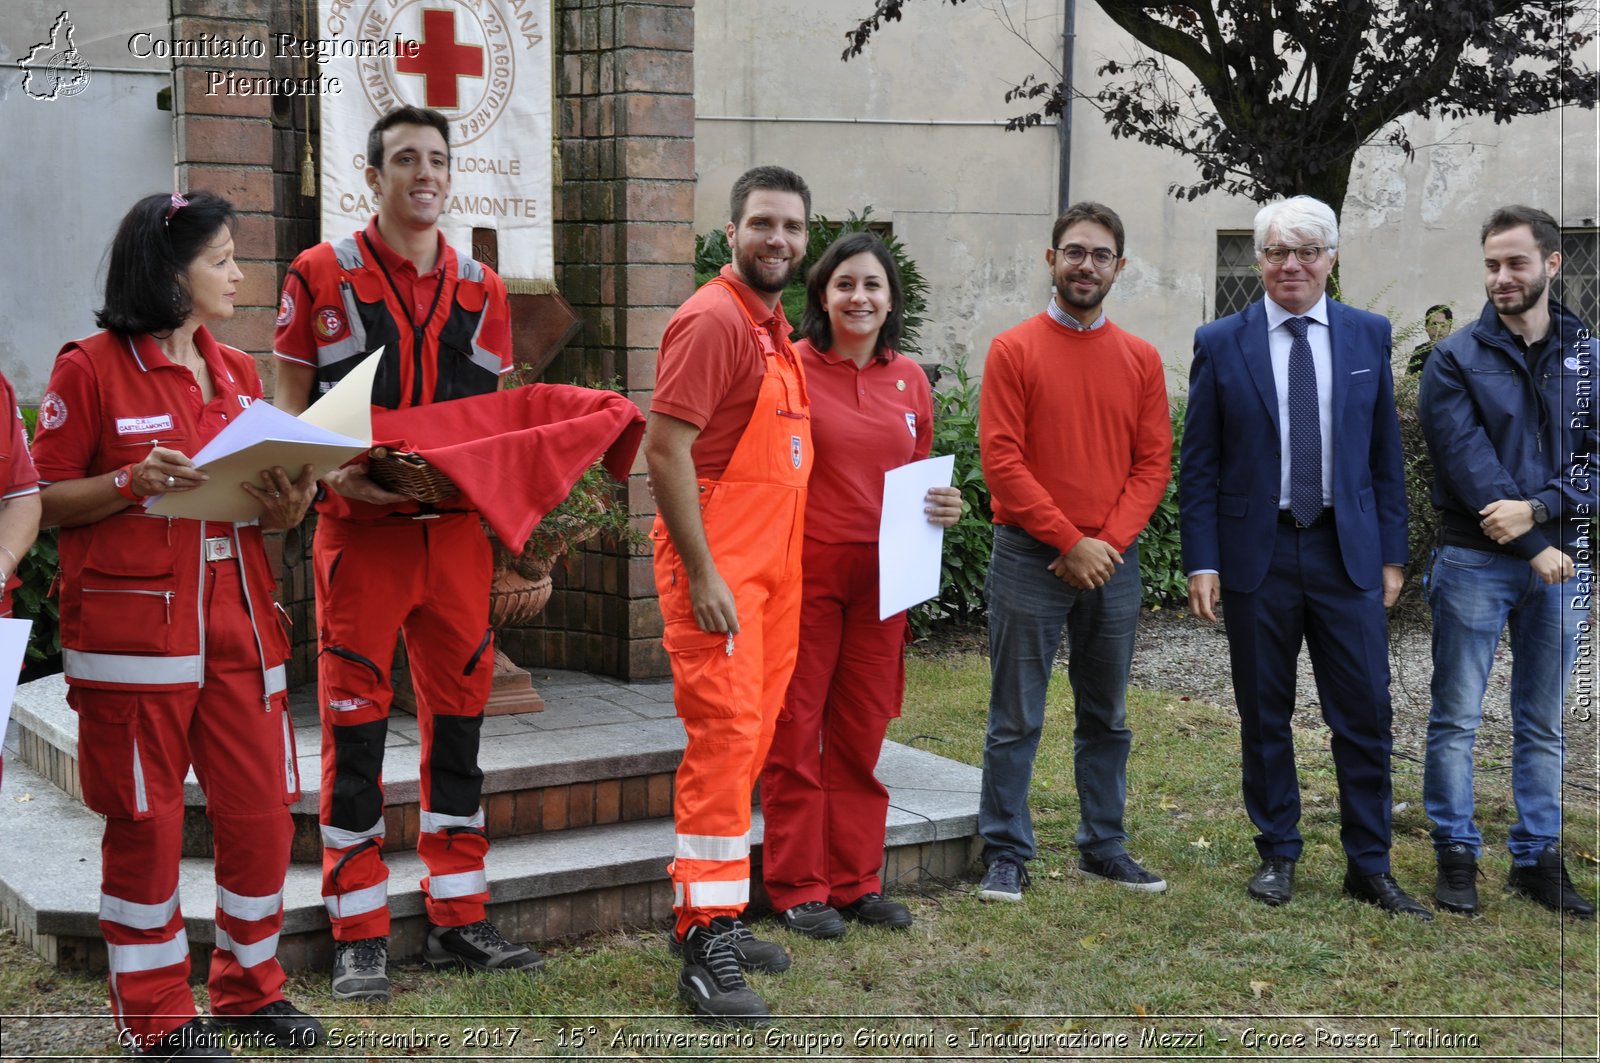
441	60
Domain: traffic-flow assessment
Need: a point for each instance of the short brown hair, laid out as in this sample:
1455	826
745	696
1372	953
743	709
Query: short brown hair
404	116
1088	210
1546	233
766	179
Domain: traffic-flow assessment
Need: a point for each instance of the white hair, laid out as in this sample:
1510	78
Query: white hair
1298	217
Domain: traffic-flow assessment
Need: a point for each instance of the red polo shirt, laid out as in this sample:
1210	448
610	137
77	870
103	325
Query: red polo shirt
864	422
710	369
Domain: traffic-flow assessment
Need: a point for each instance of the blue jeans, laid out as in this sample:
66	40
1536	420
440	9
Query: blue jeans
1474	595
1028	607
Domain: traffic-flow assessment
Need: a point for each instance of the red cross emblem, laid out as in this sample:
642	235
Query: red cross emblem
441	59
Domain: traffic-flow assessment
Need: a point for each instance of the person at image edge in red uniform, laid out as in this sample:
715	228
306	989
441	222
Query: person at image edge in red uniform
824	810
729	448
171	640
385	563
19	500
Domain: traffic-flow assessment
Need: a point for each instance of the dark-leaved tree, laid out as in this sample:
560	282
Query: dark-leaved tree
1275	98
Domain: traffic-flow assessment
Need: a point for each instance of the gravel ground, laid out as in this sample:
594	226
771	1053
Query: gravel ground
1188	657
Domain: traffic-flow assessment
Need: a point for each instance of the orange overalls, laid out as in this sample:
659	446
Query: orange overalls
728	689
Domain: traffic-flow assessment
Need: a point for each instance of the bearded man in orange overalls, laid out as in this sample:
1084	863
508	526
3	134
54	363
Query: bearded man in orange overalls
729	449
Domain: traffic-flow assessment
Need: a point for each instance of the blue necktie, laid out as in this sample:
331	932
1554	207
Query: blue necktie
1305	429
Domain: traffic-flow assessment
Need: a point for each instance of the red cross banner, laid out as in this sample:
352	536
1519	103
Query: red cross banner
486	66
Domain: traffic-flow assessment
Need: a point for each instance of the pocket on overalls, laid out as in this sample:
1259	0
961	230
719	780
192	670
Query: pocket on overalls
110	762
703	671
352	686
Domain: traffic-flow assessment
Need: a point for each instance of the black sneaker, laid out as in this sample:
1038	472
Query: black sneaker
1003	881
711	982
749	951
479	946
361	969
1124	871
874	909
1547	883
193	1040
1456	888
813	919
279	1024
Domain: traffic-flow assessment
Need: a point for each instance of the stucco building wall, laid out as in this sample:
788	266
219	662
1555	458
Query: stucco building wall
974	203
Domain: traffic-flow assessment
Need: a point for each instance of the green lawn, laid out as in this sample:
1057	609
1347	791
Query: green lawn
1079	969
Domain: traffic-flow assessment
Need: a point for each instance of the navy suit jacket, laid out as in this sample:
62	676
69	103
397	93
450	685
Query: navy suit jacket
1230	473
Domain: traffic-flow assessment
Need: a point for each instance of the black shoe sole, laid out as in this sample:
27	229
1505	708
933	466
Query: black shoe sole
817	933
1267	899
1568	912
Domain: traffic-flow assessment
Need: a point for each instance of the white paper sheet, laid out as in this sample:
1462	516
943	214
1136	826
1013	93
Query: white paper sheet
333	430
909	547
13	645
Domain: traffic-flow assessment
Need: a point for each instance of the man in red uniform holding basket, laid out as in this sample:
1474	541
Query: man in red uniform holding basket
385	563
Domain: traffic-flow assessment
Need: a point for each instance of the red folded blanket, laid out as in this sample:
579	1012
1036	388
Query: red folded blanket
516	454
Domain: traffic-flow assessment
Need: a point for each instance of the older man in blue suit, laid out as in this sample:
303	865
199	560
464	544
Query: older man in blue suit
1293	512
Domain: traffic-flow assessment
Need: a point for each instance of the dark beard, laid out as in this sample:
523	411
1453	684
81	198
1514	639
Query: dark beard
753	278
1529	301
1082	302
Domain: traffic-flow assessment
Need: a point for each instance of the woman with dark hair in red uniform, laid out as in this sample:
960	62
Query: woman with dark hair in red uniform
871	411
171	640
19	497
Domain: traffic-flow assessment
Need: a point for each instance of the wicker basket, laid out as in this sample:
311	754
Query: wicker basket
410	475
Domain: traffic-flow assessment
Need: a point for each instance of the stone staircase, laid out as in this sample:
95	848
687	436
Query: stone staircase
577	798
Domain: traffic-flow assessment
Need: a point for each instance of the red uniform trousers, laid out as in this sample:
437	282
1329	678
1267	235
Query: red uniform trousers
823	807
430	579
134	749
728	692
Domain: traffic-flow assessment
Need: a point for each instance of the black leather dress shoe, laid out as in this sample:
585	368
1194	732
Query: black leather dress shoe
1273	882
1382	890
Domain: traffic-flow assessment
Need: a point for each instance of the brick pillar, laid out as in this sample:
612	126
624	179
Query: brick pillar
224	145
248	148
624	244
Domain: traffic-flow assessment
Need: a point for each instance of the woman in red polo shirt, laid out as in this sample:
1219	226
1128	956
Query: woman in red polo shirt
171	642
871	411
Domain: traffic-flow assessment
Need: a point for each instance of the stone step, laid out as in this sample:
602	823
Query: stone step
602	751
543	886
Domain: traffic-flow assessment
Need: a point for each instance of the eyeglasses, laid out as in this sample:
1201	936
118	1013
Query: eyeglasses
1279	255
1100	256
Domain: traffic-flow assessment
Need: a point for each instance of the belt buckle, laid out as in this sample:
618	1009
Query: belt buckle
219	549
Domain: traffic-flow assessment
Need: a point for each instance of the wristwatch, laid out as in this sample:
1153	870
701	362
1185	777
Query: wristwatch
1541	512
123	481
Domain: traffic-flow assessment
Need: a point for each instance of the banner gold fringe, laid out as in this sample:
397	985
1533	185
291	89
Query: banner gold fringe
524	286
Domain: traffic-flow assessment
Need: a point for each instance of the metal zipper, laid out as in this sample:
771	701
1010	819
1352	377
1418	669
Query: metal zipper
166	595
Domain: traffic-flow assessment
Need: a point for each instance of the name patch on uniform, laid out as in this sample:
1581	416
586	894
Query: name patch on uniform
795	452
911	422
133	426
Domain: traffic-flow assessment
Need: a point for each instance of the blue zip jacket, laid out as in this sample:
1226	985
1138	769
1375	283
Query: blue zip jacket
1499	425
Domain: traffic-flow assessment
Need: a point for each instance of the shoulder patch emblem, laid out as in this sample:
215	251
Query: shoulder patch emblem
52	411
285	310
330	323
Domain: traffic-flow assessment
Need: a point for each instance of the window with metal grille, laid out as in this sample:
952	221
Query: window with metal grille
1578	283
1238	279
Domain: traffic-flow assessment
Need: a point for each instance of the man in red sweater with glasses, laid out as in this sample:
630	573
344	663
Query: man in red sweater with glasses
1077	449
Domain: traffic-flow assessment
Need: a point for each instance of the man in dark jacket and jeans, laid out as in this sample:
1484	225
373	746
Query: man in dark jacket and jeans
1507	411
